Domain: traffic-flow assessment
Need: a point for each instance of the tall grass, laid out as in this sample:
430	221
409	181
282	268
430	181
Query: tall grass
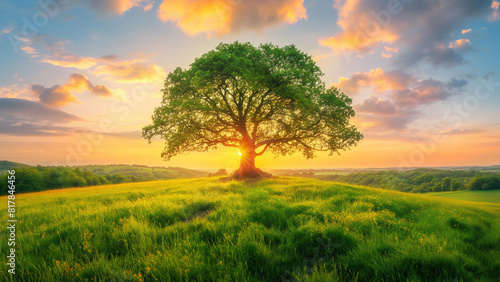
282	229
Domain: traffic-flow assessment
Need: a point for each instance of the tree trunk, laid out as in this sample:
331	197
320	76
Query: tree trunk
247	165
247	168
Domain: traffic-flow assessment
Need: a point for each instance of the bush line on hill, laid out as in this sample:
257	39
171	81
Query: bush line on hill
421	180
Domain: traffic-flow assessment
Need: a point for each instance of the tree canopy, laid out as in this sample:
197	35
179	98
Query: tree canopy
257	99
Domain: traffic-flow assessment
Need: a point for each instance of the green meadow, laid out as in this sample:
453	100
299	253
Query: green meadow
489	196
278	229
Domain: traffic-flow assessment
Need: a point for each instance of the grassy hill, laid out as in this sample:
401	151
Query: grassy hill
8	165
281	229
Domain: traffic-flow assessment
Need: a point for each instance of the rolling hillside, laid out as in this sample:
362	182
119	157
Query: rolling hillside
140	171
7	165
280	229
145	172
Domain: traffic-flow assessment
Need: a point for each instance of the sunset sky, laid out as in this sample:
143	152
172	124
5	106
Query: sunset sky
79	79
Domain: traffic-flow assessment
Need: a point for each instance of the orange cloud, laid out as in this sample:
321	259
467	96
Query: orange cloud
197	16
79	82
148	7
495	13
464	31
29	50
59	56
361	29
6	30
25	45
55	96
294	11
425	92
223	16
16	91
405	90
459	44
131	71
109	66
58	96
413	26
119	7
389	51
72	61
378	78
377	105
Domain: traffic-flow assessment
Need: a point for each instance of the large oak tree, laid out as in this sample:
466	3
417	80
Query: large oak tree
257	99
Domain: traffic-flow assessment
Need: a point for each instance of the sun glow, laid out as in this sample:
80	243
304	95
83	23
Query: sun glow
239	153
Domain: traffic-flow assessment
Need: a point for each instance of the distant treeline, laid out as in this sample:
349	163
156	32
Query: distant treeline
33	179
422	180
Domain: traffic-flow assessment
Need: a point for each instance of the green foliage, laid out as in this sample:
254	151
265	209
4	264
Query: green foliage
252	97
422	180
446	184
33	179
39	178
28	179
456	185
144	173
484	182
281	229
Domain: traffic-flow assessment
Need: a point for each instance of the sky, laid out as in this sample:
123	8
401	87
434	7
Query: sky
80	79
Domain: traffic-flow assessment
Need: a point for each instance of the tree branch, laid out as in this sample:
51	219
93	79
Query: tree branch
263	150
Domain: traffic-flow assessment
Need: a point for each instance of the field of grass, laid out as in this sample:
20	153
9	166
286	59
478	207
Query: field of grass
280	229
490	196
